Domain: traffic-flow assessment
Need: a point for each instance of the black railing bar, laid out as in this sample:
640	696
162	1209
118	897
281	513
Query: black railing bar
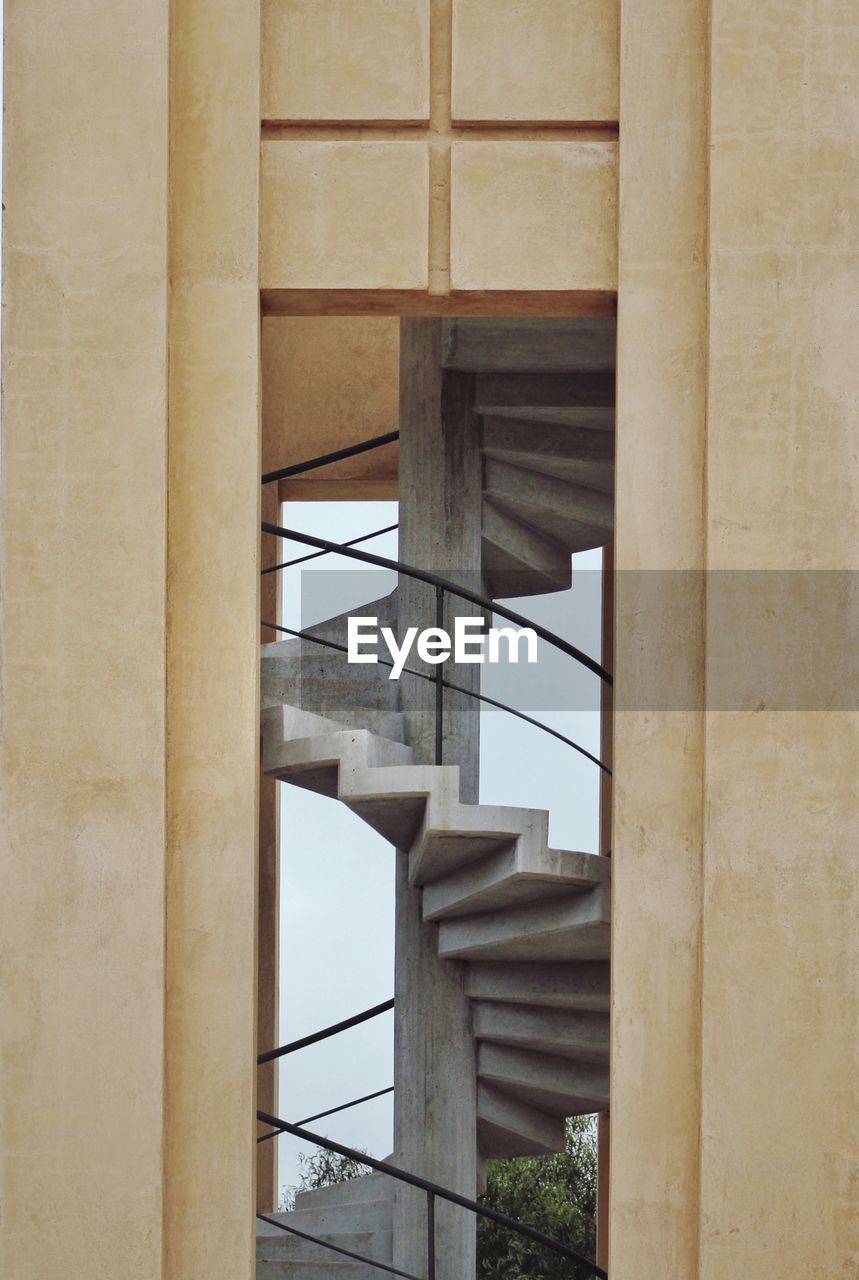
430	1235
424	1184
315	555
344	1106
350	451
456	688
435	580
336	1248
333	1030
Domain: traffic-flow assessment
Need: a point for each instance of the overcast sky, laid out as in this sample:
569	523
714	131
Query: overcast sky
337	885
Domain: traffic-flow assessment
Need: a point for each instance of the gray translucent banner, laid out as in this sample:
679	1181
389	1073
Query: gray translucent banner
728	640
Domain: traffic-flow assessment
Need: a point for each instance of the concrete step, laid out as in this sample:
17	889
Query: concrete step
345	1216
308	675
369	1188
569	927
568	1033
336	1269
282	1246
573	515
524	871
543	444
322	680
558	1085
394	800
356	1215
455	835
324	760
595	414
508	1127
552	345
578	985
552	395
519	561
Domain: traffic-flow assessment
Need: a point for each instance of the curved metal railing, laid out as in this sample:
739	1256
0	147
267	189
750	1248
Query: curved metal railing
445	585
441	586
454	688
311	464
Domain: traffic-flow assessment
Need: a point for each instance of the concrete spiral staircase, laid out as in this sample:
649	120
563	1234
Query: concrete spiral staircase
530	922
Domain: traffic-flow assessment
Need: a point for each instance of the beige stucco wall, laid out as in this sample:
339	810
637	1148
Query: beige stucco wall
212	699
84	848
130	502
330	382
780	942
734	1072
129	640
658	740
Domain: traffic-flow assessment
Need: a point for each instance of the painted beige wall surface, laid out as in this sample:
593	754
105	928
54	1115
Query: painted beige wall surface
658	749
83	639
129	595
780	958
212	642
735	1083
130	718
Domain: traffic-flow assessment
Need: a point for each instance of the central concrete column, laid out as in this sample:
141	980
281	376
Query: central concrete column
435	1112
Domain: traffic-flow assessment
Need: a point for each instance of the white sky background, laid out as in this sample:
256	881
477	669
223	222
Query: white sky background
337	876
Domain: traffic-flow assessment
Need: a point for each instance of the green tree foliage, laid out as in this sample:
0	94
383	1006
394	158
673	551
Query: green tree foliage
557	1194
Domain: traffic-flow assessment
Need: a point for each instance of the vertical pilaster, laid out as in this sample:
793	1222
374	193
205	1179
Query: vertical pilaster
659	604
82	618
780	949
212	642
